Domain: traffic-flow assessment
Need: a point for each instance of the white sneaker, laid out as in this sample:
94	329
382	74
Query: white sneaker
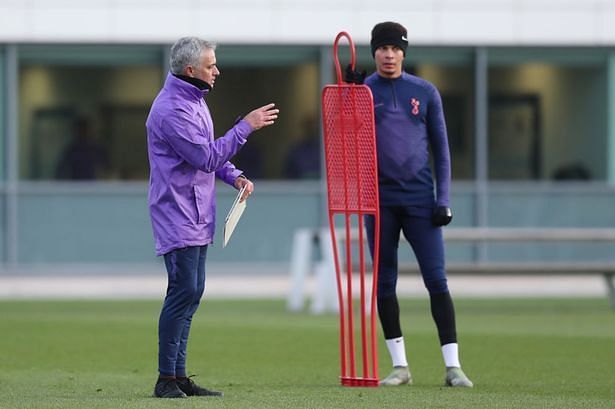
399	376
456	378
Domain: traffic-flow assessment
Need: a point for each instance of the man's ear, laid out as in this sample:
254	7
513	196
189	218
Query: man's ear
189	71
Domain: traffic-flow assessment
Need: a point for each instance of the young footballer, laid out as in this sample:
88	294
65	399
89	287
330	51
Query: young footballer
409	123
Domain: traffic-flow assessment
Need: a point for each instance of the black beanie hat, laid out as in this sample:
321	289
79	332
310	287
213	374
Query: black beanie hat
389	33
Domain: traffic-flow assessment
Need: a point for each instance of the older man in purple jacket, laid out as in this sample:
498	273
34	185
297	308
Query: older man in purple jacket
184	162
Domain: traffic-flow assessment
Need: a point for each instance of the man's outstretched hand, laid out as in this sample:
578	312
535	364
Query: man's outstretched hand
263	116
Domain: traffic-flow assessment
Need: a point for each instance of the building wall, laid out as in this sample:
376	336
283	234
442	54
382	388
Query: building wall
109	223
511	22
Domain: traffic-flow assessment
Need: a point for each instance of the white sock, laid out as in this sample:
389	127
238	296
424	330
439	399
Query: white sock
397	350
450	353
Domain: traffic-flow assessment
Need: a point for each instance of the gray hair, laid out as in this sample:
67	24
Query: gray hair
187	51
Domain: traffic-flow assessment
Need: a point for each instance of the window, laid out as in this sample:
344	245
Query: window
547	114
3	135
82	111
257	75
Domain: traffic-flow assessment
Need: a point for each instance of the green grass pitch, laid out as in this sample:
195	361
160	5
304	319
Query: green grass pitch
520	353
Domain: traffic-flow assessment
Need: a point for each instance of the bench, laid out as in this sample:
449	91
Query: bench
307	240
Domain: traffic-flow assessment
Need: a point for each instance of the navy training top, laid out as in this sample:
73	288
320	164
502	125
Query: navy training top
409	120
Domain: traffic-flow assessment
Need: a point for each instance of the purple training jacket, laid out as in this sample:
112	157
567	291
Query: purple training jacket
184	160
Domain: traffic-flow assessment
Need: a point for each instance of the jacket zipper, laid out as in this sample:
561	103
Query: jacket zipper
394	94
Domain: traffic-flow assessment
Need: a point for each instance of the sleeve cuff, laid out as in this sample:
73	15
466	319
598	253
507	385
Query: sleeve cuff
243	130
235	174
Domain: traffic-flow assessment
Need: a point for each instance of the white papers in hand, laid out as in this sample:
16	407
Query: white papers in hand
233	216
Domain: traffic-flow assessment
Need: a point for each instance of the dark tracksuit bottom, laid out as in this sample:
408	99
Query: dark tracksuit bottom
186	273
428	246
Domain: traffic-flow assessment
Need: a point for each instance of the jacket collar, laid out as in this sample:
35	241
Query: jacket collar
385	79
199	83
183	87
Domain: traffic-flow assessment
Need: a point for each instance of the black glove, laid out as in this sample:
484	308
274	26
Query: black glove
353	76
441	216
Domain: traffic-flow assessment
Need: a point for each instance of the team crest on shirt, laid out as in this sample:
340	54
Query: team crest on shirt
415	105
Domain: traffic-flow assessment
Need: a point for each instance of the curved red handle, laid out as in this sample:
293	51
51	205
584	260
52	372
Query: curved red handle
353	58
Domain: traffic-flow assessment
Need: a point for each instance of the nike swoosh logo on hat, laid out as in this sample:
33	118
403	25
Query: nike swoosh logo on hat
404	38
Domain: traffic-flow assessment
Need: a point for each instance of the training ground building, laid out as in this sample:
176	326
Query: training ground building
528	90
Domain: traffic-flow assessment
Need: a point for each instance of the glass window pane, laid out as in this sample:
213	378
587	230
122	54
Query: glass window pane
255	76
82	111
547	114
451	70
3	135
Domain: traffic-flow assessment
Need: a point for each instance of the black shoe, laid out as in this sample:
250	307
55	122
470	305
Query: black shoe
168	388
190	388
